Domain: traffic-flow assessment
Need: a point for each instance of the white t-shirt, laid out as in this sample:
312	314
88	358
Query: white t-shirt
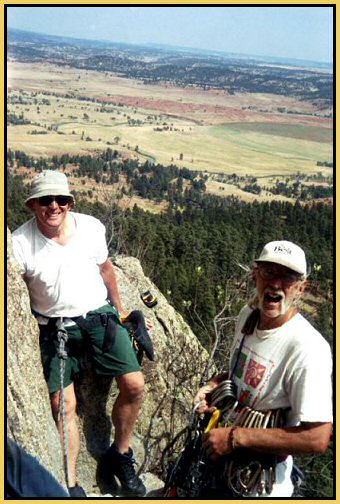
63	280
288	367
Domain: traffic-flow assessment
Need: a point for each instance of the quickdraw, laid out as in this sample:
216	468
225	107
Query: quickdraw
190	473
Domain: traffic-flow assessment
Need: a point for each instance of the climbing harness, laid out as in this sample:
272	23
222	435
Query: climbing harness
241	473
149	299
134	323
107	320
62	338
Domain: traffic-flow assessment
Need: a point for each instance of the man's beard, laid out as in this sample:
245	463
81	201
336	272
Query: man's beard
275	295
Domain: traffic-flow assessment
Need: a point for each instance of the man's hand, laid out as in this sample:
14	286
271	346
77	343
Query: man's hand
218	442
201	398
124	316
149	324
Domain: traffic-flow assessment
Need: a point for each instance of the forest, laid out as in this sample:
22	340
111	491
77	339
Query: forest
193	254
202	240
180	187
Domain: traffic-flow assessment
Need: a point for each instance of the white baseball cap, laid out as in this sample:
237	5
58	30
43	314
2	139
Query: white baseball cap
285	253
49	183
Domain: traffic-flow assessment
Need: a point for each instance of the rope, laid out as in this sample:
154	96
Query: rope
250	472
62	354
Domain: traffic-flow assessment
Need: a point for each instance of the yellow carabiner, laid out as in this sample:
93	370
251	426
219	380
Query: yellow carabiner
213	421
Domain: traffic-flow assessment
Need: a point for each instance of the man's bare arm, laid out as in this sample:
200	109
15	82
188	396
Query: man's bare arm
109	277
310	437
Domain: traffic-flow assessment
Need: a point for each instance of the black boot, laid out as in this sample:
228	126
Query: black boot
122	466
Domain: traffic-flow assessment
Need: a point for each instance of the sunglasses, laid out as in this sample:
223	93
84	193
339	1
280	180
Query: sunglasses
270	272
60	200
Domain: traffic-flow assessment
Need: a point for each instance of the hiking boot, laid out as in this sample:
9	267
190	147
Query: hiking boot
77	491
123	468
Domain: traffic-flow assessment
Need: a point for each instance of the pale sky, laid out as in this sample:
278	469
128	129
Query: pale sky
304	32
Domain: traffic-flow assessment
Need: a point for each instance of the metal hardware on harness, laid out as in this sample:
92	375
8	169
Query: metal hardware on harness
250	473
245	475
62	337
190	473
223	397
243	472
213	421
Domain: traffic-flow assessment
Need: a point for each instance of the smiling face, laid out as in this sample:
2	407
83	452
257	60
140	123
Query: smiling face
278	289
51	217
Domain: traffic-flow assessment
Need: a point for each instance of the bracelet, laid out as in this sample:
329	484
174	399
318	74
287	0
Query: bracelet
231	437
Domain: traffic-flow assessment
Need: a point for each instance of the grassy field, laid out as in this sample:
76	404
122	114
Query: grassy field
223	189
296	131
250	150
202	130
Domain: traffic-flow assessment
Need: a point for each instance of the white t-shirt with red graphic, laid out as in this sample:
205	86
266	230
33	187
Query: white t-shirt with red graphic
287	367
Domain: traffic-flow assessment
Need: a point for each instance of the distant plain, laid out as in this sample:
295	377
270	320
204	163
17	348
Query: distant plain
206	130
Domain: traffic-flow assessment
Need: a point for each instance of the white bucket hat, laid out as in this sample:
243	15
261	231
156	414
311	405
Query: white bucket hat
49	183
285	253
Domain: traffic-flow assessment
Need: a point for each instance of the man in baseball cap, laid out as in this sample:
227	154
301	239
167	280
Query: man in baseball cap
280	275
285	253
279	362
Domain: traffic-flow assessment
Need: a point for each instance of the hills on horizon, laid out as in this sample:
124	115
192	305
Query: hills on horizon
16	35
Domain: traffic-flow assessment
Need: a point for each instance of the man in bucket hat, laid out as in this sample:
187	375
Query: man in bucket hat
279	363
63	257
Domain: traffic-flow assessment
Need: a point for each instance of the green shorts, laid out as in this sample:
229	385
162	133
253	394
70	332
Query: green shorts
119	360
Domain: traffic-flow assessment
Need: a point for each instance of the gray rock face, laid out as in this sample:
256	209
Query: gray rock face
29	419
171	381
